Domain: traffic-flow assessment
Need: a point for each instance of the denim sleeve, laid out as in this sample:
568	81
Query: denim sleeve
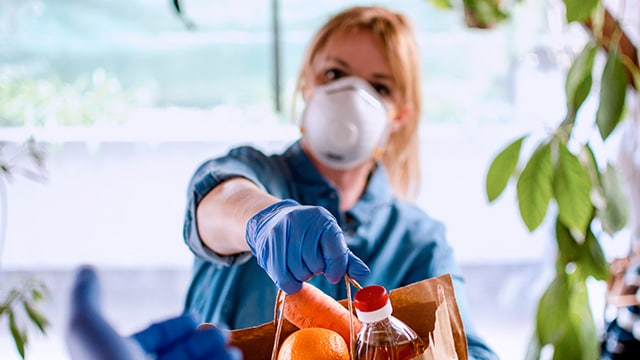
237	163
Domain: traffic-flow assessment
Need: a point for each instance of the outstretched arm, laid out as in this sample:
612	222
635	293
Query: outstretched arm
292	242
91	337
223	213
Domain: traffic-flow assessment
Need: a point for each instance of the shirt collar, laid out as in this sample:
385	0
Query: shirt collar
302	167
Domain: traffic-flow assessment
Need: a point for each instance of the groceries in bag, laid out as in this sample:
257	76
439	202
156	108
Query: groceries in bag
383	336
314	343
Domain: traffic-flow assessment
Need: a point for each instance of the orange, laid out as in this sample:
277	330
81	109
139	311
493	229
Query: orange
314	343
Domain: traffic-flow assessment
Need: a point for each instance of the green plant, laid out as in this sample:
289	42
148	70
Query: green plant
22	302
19	304
567	175
90	99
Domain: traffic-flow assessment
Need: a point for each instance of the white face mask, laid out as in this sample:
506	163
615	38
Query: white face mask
344	123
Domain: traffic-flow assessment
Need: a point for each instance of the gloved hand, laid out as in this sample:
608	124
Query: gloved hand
179	338
91	337
88	335
293	243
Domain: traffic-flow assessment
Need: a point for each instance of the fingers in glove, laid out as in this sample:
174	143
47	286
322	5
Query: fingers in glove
89	336
356	268
334	251
202	344
322	229
303	260
164	334
288	284
85	294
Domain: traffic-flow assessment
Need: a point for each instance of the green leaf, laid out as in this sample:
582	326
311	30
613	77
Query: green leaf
568	248
552	309
36	294
19	338
581	340
568	345
587	255
534	187
572	188
588	160
579	78
442	4
593	259
613	91
564	318
579	10
501	169
36	316
483	14
615	212
40	291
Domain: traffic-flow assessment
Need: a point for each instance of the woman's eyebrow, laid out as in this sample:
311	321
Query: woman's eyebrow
380	76
341	62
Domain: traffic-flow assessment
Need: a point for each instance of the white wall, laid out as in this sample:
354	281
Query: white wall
120	202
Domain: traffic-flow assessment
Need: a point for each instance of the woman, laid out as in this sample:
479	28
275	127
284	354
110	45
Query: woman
332	202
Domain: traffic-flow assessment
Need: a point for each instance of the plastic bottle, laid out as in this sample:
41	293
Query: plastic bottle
383	336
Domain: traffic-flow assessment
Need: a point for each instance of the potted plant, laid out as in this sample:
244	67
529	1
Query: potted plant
564	177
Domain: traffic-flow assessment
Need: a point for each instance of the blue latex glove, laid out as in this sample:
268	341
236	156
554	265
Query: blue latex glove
178	339
91	337
293	243
88	335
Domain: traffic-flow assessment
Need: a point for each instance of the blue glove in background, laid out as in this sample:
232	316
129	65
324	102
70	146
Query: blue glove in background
178	339
91	337
293	243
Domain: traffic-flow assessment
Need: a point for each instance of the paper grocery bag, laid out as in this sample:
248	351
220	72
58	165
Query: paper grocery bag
428	306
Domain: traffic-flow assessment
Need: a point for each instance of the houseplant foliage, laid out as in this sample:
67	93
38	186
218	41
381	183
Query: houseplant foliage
20	303
563	178
20	308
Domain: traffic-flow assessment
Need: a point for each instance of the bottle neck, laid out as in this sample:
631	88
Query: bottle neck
376	315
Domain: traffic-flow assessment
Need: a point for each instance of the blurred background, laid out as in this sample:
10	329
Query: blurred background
128	98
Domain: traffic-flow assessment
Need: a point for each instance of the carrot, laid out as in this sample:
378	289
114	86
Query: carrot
311	307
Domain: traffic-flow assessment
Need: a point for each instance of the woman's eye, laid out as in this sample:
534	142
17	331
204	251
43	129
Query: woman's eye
382	89
333	74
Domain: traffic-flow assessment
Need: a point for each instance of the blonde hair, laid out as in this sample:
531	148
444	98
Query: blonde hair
395	34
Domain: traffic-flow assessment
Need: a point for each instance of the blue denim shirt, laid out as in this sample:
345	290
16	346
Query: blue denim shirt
397	240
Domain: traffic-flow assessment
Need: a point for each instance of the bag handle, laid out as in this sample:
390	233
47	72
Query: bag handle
278	314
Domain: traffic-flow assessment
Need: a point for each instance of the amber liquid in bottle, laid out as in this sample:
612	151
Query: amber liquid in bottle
382	336
404	351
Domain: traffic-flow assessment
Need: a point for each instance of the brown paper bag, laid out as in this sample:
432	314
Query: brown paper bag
428	306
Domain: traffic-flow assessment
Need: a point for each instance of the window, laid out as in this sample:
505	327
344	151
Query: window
98	63
130	93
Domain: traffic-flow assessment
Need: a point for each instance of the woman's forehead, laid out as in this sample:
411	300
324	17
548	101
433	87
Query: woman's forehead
359	49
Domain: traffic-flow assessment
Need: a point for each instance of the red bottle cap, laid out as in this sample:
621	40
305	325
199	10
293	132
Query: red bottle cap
371	298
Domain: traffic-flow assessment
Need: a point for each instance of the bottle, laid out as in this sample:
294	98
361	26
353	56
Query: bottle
383	336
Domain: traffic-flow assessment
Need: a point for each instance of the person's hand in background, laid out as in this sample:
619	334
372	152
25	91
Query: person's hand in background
293	243
181	338
90	337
